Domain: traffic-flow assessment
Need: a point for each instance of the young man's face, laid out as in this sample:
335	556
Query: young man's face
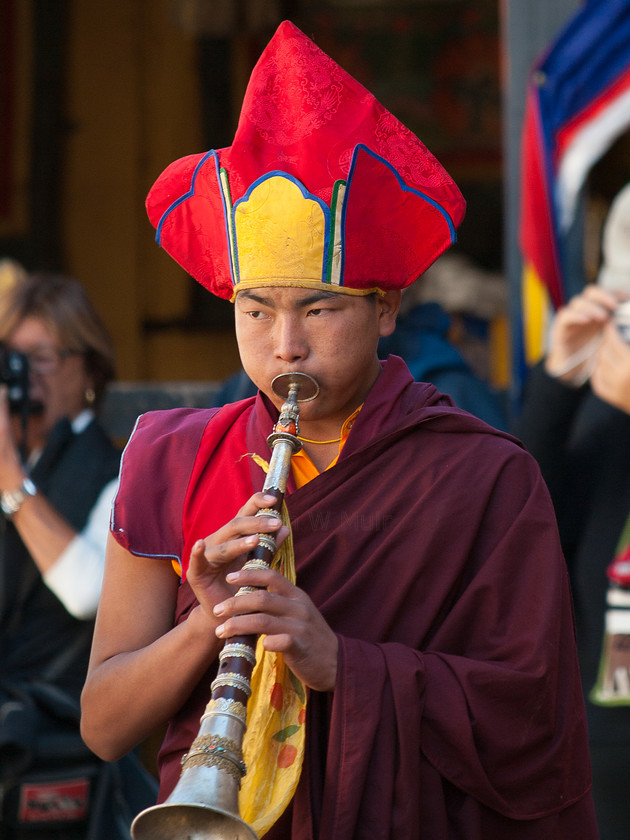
331	336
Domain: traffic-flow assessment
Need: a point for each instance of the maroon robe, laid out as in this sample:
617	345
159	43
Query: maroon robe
431	550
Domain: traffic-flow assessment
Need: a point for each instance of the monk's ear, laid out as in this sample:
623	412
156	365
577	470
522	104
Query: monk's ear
388	306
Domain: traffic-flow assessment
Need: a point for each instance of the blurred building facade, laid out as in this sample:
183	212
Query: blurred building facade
98	96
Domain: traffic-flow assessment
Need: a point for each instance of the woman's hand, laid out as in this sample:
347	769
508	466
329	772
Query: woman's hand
576	332
289	621
11	472
610	379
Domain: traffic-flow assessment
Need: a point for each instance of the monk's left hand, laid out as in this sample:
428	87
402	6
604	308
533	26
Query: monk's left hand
290	622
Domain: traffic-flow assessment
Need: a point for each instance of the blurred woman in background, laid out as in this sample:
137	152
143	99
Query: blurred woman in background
58	475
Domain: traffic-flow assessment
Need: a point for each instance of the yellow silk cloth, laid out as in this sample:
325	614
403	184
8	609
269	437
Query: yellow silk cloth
273	745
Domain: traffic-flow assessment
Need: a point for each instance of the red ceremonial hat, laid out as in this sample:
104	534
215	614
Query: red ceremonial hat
322	186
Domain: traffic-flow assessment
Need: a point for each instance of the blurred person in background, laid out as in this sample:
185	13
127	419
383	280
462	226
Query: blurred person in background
425	333
10	272
575	420
58	474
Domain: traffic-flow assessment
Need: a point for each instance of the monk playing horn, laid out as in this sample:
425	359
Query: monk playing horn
419	677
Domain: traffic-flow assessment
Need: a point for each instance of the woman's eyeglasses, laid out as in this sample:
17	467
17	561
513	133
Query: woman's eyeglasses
46	360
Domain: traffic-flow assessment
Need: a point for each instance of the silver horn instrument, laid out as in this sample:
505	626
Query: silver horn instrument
204	803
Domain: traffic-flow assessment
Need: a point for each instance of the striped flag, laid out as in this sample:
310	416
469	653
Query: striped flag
578	103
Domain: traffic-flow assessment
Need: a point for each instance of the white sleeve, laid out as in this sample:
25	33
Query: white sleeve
76	576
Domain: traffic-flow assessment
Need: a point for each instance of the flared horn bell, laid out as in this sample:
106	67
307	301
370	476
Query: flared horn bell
202	806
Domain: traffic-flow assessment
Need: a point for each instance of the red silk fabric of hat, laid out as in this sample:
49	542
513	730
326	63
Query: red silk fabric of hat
384	207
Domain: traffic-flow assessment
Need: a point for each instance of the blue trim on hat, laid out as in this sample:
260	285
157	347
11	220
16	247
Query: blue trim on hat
305	194
178	201
403	186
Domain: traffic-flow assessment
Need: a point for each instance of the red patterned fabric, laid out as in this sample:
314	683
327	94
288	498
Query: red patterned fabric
307	119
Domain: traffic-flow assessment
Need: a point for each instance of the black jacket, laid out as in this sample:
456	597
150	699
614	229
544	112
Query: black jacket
39	639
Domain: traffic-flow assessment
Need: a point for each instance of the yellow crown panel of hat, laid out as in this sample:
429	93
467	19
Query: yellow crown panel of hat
280	234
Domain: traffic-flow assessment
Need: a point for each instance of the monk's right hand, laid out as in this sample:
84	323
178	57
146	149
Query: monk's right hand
226	550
